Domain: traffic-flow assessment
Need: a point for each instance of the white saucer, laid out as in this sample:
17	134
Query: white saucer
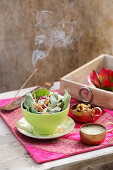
26	129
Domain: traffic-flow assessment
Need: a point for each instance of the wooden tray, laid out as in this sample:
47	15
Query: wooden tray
74	81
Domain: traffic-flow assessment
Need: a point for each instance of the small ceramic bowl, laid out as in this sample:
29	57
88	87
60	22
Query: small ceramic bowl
93	133
85	116
44	123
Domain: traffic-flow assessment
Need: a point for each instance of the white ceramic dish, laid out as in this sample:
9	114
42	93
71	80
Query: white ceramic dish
26	129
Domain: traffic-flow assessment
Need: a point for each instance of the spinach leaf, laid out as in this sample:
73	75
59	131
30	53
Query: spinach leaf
41	92
54	100
65	100
32	110
28	102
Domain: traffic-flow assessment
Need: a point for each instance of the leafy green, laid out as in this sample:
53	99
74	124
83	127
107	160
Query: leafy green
54	100
32	110
65	100
28	102
41	92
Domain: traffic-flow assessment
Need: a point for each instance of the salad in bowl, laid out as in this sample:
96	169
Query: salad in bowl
45	102
45	110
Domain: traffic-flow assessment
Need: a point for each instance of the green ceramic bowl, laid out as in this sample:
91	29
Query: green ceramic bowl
44	124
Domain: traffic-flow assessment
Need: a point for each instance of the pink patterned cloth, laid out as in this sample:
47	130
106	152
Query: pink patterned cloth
48	150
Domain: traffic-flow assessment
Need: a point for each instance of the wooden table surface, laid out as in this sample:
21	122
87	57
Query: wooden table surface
13	156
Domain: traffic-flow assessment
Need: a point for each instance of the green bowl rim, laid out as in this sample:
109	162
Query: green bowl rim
43	114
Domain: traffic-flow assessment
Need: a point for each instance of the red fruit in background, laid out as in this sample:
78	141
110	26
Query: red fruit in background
94	79
103	74
103	80
110	73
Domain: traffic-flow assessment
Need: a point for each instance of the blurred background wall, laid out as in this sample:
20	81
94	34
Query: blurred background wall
17	36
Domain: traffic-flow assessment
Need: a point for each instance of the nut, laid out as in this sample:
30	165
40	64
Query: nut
38	107
83	107
59	104
46	102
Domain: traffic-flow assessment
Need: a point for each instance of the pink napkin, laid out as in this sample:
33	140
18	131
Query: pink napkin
48	150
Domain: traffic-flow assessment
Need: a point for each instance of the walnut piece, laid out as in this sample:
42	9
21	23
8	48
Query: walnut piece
59	104
83	107
46	102
38	107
